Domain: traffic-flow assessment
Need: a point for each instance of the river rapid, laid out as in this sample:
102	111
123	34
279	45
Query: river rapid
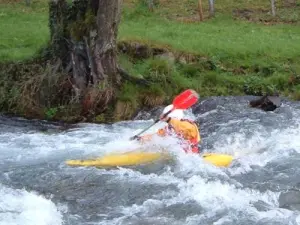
260	187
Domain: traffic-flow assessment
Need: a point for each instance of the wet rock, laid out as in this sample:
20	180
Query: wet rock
204	105
290	200
211	103
14	124
150	114
266	103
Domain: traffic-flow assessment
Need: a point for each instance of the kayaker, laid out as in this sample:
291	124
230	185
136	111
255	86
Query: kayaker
186	130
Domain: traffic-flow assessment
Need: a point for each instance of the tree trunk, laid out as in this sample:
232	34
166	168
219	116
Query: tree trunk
211	8
105	49
27	2
83	36
273	7
200	10
151	5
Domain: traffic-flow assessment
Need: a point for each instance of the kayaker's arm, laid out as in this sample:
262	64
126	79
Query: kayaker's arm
144	138
148	137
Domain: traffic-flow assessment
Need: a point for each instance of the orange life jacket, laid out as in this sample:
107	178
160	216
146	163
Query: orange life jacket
186	130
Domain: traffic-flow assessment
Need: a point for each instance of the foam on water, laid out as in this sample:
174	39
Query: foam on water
220	198
217	196
261	148
212	196
19	207
87	139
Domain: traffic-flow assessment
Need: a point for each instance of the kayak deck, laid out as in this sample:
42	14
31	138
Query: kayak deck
140	157
221	160
125	159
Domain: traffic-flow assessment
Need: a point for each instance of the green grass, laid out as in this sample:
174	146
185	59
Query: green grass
221	38
237	56
174	77
253	10
23	30
269	52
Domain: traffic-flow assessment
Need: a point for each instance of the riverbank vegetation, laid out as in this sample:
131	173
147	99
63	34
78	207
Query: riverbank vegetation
242	50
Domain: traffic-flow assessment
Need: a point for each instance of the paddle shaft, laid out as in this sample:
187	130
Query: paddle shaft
156	121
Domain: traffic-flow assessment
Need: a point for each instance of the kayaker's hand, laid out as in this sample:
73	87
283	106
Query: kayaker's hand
134	138
138	138
163	118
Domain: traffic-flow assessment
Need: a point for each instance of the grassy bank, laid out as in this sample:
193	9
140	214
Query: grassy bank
229	41
221	56
23	30
250	10
235	57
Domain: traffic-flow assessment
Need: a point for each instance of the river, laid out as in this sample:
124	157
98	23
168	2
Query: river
261	186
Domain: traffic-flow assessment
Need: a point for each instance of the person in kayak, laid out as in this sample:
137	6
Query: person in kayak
185	130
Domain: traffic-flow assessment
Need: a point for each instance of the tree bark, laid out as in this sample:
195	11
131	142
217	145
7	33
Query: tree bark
273	7
105	49
151	5
84	37
211	8
27	2
200	10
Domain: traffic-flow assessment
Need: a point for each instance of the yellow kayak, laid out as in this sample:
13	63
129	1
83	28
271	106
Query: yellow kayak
139	158
221	160
125	159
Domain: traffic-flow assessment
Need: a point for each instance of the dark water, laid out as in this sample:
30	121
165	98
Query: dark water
260	187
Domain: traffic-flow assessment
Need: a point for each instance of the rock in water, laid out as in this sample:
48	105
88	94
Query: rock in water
290	200
266	103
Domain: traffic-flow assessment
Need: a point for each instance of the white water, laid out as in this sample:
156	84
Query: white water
19	207
215	196
191	181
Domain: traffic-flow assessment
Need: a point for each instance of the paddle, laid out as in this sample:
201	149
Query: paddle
182	101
